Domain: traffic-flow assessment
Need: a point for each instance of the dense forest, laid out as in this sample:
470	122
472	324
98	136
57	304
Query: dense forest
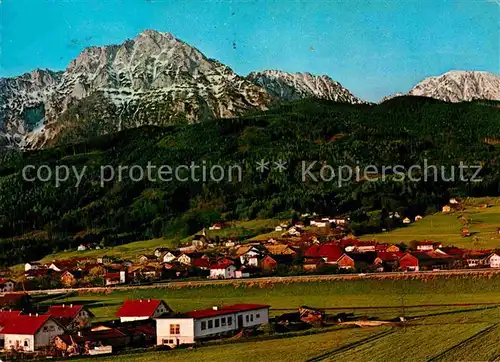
37	218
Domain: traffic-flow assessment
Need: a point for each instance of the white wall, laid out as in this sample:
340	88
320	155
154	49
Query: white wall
11	339
163	335
47	333
131	319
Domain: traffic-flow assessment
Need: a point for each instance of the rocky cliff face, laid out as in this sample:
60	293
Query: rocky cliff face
293	86
152	77
458	86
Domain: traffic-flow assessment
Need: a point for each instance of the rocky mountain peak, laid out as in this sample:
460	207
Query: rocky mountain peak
293	86
459	85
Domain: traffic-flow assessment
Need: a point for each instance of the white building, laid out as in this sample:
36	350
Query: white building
493	260
320	223
133	310
222	271
32	266
30	332
191	327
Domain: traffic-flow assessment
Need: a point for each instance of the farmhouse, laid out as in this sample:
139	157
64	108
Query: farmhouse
30	332
408	263
133	310
7	285
191	327
71	316
116	278
492	260
249	255
222	270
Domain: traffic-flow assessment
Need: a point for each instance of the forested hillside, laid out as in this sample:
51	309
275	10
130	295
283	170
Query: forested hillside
37	218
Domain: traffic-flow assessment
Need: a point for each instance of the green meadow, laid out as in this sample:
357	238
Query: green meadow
445	227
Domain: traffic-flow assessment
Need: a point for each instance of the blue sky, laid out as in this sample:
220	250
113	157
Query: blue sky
374	48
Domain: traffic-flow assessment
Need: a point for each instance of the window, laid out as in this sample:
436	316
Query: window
203	325
217	323
251	317
223	321
229	321
210	323
26	343
45	329
175	329
247	318
257	315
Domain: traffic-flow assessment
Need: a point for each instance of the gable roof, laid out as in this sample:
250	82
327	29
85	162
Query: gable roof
139	308
25	324
389	255
65	311
329	251
229	309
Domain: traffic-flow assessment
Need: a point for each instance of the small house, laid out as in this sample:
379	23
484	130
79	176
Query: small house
406	220
446	208
30	332
222	271
144	258
418	218
71	316
408	263
140	309
7	285
465	232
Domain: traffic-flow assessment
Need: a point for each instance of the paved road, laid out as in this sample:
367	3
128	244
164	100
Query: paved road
299	279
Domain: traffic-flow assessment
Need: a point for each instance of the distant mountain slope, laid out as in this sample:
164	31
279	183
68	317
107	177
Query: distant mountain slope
458	86
294	86
402	131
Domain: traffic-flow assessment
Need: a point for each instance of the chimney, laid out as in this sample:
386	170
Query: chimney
79	333
63	305
29	314
215	307
149	300
71	305
36	314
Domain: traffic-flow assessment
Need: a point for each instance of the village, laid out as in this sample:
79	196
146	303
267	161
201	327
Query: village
313	246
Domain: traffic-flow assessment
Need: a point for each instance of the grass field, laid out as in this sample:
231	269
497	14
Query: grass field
449	319
445	228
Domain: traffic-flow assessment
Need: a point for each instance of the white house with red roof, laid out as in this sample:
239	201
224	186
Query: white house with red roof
30	332
133	310
187	328
71	316
222	270
7	285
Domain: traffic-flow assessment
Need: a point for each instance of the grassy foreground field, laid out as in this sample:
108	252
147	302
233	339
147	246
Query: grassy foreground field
449	319
445	227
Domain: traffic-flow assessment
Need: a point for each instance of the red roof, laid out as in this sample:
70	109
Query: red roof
6	314
64	311
221	265
24	324
112	276
329	251
229	309
389	255
138	308
200	263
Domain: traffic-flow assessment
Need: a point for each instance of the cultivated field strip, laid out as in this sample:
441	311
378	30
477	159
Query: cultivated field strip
463	343
351	345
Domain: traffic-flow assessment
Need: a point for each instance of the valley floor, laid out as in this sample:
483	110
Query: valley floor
449	319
